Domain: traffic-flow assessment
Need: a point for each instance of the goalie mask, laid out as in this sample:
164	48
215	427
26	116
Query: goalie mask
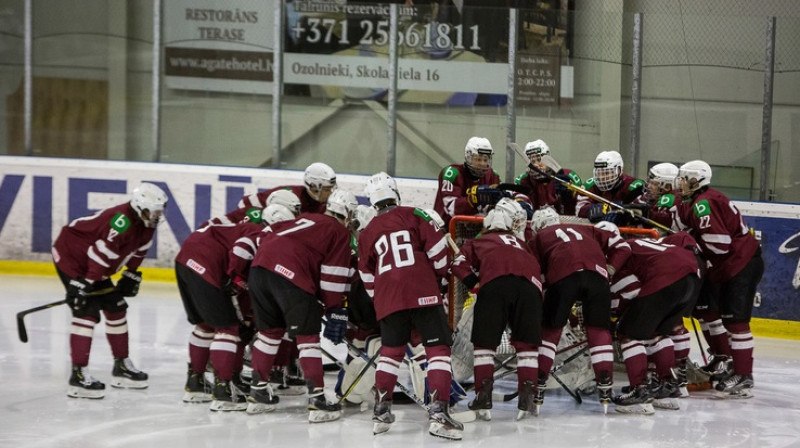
149	201
544	217
661	179
535	150
607	170
342	205
507	215
381	189
320	180
478	156
276	213
693	176
285	198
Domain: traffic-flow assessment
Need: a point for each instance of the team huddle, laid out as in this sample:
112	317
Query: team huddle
263	283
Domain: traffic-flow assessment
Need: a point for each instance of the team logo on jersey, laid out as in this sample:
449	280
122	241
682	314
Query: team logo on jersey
573	176
196	267
449	174
666	201
120	223
284	271
518	179
429	300
422	214
635	184
589	183
254	215
702	208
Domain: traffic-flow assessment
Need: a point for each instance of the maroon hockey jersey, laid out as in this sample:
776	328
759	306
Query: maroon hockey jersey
401	256
543	192
312	251
625	193
259	200
564	249
451	197
719	228
97	246
493	255
217	253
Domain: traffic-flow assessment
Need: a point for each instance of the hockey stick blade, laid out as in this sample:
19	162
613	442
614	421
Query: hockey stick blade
598	198
22	332
551	163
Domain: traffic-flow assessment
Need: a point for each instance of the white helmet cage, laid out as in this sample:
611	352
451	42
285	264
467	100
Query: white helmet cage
544	217
342	203
661	179
276	213
285	198
149	201
609	226
693	176
535	150
607	170
507	214
318	176
478	150
382	187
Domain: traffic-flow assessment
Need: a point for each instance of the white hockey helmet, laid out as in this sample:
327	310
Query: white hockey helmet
149	201
382	187
506	215
661	179
320	180
544	217
342	204
478	155
536	148
607	170
285	198
276	213
693	176
609	226
363	216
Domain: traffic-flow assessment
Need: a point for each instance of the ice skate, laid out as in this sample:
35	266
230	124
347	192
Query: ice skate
283	384
737	386
319	409
226	397
604	384
83	385
526	403
635	400
197	390
440	423
538	397
665	394
262	399
719	368
682	377
482	404
382	417
126	375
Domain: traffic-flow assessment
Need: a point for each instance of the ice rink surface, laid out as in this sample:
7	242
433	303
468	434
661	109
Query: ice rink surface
36	412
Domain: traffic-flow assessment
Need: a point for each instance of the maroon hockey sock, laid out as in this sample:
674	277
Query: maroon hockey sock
681	339
439	370
635	357
117	333
483	366
311	359
741	347
662	353
80	339
527	363
547	351
199	343
284	351
223	351
264	350
388	367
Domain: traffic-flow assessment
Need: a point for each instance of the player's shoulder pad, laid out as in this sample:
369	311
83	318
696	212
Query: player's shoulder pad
575	178
666	200
589	183
636	184
450	173
421	213
253	215
702	208
120	222
518	180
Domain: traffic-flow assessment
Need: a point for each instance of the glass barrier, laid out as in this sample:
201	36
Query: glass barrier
12	63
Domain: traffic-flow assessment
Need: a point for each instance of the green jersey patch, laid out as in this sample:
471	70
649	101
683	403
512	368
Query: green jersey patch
518	180
254	215
421	213
702	208
666	201
450	174
635	184
120	223
589	183
573	176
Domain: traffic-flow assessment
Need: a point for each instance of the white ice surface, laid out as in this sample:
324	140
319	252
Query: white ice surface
35	411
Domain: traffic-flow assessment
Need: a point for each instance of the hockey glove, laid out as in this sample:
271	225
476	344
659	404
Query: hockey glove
597	212
235	286
481	195
128	284
336	324
77	292
561	190
527	207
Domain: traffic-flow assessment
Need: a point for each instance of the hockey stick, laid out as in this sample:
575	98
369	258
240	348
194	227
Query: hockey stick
358	377
462	417
699	341
598	198
572	393
21	330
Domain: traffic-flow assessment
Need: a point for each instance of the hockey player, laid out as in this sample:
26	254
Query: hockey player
402	256
658	201
609	182
211	269
578	262
735	269
86	253
545	192
510	294
658	285
466	188
298	264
